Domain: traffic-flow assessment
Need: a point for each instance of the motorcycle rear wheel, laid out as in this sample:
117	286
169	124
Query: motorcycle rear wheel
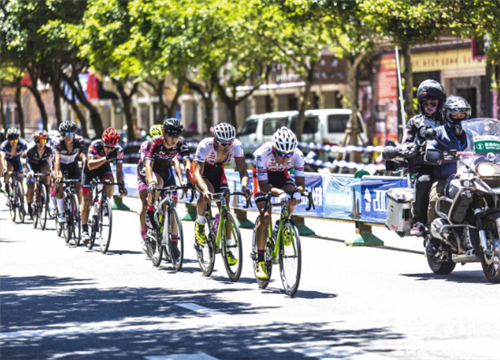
492	228
440	267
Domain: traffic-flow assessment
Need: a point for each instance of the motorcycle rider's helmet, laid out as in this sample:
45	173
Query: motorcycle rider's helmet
454	105
431	90
13	134
284	140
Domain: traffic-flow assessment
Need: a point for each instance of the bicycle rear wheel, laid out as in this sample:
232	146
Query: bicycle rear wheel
176	262
236	248
75	220
68	225
35	207
12	203
105	225
205	254
44	205
290	258
20	202
268	256
93	230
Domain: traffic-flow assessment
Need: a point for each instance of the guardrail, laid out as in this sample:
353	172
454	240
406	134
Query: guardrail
338	197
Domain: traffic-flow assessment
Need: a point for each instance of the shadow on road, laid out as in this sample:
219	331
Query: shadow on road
466	277
61	322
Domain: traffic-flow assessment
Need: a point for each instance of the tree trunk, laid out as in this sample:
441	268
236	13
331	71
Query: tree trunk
79	114
39	102
207	100
127	108
178	92
56	90
3	117
497	80
408	76
19	107
304	102
161	100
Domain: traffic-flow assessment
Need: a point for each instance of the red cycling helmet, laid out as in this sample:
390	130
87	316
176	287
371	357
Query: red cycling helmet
40	135
110	137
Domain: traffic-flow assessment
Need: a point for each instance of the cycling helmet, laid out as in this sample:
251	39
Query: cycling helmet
155	130
224	132
455	104
13	134
172	125
110	137
428	90
284	140
67	126
40	135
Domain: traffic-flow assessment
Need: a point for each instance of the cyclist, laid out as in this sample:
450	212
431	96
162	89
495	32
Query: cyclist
38	160
101	153
68	149
155	170
10	154
207	174
270	174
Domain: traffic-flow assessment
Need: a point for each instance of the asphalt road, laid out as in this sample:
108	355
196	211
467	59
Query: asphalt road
59	302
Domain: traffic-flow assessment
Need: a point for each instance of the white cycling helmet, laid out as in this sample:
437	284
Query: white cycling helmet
284	140
224	133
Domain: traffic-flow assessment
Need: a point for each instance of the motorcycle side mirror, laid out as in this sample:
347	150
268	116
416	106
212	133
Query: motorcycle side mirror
434	156
430	134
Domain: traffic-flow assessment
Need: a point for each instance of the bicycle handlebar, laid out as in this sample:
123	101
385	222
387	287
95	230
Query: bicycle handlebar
306	194
40	175
173	188
225	193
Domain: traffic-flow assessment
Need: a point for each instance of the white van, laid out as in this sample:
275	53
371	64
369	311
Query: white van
322	126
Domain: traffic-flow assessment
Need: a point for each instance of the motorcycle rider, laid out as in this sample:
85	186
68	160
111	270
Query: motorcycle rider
431	97
451	136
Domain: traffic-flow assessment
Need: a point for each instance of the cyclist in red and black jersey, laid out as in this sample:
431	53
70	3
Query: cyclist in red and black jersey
155	170
101	153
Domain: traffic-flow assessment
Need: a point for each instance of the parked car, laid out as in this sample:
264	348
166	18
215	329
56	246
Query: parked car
321	126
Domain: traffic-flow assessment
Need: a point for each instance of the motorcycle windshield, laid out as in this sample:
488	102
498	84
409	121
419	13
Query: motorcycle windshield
483	138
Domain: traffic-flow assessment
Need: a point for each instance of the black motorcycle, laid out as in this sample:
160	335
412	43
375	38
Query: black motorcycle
466	223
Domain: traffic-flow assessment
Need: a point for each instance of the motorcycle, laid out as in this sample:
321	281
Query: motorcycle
467	210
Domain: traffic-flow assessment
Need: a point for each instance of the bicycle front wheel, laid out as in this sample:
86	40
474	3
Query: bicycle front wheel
268	256
105	225
176	250
68	225
35	207
75	220
44	206
205	254
12	203
232	251
20	202
290	258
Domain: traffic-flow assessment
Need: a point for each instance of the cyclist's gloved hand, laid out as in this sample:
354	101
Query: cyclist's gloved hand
31	174
151	187
112	155
4	172
246	191
122	189
297	196
284	197
58	180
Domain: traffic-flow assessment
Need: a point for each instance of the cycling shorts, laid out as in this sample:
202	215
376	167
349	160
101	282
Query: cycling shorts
215	175
166	175
71	171
102	173
277	179
16	163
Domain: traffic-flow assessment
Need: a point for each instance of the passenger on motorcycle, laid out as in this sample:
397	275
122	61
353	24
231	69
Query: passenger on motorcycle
431	97
270	174
451	136
68	149
158	154
101	153
11	151
208	177
38	160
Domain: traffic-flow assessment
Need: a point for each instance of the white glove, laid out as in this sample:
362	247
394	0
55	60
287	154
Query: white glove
297	196
284	197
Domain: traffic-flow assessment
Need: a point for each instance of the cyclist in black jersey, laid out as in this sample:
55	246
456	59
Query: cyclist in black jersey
11	151
38	160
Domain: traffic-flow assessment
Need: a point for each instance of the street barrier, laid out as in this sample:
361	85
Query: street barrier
339	197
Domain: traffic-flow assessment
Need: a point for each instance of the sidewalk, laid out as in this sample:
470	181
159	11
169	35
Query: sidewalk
325	228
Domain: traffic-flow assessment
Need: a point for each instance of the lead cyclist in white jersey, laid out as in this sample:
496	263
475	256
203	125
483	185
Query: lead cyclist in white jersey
270	174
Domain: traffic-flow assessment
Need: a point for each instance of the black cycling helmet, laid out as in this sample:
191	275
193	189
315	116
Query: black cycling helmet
67	126
429	90
13	134
172	125
453	105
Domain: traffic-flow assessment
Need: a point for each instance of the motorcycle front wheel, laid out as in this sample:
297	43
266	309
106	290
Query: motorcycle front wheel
490	259
438	266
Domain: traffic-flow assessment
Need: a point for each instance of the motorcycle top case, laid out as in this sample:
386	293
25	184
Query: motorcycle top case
399	204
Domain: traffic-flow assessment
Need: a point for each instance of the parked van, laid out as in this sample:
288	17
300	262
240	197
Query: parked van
321	126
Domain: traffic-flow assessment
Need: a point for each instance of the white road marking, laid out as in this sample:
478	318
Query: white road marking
181	357
340	352
200	309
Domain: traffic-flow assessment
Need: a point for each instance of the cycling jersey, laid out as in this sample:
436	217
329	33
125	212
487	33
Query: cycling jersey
265	162
155	150
207	153
96	151
34	160
68	157
6	148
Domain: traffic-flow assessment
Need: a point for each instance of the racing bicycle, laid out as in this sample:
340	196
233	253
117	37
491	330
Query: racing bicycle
71	229
282	247
15	197
40	205
217	239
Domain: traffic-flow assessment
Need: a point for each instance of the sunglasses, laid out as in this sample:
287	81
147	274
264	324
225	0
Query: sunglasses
430	103
173	135
224	145
69	134
284	155
14	140
41	141
109	146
